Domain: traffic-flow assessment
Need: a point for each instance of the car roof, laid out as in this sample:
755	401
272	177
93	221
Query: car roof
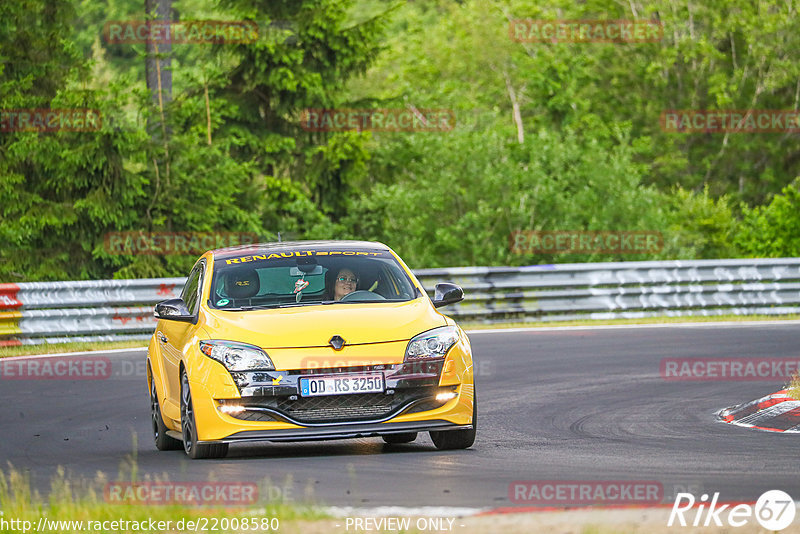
291	246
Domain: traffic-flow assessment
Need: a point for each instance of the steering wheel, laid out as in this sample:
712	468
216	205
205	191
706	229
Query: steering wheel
362	294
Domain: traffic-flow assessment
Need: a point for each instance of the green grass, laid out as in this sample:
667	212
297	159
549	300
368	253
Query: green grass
793	389
71	500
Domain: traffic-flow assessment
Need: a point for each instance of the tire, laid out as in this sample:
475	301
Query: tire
163	441
195	450
396	439
446	440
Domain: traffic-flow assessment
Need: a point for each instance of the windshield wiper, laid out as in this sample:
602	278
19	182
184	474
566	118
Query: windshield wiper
250	308
298	304
295	305
273	306
362	301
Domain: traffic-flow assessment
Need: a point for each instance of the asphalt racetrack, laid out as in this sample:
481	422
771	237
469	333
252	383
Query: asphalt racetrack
553	405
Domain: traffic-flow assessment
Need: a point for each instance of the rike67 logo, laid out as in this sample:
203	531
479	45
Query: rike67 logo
774	510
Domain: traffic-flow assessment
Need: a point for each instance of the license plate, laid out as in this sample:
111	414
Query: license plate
341	385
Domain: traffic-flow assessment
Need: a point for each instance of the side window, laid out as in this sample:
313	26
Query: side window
190	294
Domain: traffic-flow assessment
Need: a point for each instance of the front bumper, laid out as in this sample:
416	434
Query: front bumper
270	407
279	413
409	388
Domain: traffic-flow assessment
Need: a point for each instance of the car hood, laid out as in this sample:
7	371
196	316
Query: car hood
314	326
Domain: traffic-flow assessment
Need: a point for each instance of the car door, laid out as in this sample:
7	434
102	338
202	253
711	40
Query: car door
173	336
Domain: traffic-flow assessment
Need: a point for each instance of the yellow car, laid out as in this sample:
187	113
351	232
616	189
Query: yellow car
308	340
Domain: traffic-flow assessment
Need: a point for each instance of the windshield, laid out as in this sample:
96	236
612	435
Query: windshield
299	278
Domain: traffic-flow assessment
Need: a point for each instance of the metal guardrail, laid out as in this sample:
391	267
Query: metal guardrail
628	290
102	310
53	312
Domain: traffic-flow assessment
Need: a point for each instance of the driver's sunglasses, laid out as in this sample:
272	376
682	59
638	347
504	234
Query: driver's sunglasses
345	279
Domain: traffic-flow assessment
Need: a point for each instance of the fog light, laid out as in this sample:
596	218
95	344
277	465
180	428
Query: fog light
231	409
442	397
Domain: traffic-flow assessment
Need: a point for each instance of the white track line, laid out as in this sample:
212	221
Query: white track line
403	511
82	353
709	324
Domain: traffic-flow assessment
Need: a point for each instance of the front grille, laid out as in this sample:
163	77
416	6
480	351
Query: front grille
338	407
253	415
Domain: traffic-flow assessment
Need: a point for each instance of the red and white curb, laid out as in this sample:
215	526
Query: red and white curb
774	413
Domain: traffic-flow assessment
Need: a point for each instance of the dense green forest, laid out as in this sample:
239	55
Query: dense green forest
547	135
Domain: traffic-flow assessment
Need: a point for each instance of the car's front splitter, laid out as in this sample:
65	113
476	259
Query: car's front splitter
340	431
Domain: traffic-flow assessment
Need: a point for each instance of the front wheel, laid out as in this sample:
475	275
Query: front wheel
446	440
194	449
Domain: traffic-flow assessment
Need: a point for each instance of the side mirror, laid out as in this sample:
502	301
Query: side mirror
447	294
173	310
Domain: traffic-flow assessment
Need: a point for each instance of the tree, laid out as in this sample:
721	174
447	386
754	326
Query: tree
773	230
57	189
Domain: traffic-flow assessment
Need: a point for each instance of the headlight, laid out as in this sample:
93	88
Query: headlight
432	344
237	356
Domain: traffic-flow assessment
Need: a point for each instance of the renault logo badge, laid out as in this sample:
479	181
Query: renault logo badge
337	342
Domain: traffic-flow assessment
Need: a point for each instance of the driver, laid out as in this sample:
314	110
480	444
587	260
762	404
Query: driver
345	283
